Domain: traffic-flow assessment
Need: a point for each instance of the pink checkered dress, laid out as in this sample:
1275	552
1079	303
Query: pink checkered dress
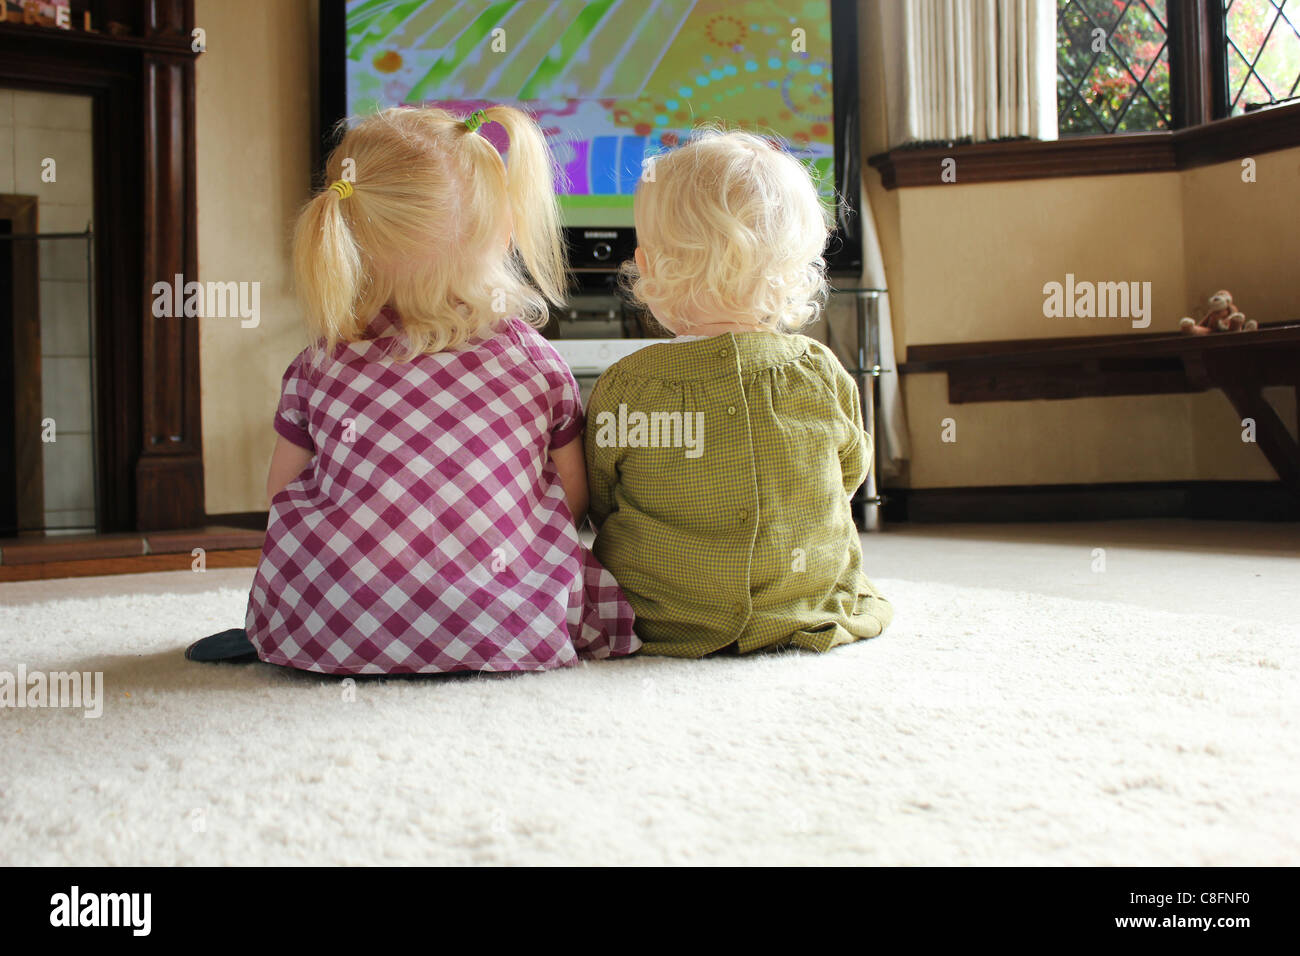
430	532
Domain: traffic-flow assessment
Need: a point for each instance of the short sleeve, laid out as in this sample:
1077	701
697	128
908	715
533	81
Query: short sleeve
291	414
563	398
567	419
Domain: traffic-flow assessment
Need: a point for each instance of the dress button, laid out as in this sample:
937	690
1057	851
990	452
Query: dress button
731	409
742	514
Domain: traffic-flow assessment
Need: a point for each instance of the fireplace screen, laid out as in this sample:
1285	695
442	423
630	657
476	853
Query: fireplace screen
47	378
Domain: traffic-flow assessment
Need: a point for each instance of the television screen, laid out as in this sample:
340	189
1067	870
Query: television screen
611	82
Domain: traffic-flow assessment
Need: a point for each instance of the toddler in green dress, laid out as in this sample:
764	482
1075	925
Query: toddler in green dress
721	462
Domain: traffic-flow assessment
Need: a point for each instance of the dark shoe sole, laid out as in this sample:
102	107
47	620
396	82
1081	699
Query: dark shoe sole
232	646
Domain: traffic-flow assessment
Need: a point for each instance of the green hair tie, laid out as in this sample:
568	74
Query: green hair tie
475	120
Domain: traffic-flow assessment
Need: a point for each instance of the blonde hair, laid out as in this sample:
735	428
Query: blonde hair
425	229
728	223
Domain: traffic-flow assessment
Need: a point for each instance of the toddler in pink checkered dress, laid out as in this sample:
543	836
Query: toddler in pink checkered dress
428	475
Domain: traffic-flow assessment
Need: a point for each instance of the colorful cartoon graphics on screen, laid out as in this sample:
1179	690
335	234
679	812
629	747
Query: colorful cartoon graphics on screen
611	82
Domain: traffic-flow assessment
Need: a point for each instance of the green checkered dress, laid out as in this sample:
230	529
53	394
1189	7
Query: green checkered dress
723	509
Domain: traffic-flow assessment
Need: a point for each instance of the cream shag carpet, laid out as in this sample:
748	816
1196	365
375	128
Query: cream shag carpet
985	727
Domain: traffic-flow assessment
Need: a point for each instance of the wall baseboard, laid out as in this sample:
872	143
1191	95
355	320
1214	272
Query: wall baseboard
1215	500
137	564
253	520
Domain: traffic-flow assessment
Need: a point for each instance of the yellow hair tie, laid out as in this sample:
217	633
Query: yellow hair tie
475	120
342	187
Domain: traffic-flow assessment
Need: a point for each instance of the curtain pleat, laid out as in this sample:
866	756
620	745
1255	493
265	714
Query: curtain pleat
969	69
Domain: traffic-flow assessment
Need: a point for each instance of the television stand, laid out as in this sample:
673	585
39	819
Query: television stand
866	370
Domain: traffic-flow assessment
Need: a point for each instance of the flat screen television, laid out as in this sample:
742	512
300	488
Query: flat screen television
613	82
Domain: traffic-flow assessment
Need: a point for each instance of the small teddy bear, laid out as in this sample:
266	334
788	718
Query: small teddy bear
1222	316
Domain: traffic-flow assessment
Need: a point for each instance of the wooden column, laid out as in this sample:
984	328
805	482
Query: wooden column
169	472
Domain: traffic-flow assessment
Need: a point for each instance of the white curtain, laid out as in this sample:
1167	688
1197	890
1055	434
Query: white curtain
969	69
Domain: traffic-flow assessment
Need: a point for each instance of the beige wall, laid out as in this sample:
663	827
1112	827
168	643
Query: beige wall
1243	237
256	107
976	257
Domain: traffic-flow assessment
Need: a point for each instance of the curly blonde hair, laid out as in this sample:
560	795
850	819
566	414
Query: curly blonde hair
729	224
436	225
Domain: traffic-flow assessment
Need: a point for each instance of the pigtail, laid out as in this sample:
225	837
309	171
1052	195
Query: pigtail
327	268
530	191
423	230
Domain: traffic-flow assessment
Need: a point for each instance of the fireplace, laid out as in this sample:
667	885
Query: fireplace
133	417
47	432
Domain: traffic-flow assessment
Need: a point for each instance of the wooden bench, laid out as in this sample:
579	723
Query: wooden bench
1241	364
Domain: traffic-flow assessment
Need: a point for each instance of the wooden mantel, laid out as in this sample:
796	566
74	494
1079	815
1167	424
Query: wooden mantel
150	447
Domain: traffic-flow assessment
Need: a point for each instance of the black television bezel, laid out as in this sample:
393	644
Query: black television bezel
843	252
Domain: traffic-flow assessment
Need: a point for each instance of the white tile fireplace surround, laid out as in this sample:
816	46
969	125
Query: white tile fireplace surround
34	128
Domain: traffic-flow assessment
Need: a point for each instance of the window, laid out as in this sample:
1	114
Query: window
1114	57
1187	81
1263	52
1112	60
